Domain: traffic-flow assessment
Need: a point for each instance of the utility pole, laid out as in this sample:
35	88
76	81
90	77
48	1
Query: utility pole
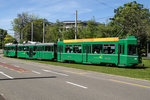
32	31
21	34
147	48
43	31
76	24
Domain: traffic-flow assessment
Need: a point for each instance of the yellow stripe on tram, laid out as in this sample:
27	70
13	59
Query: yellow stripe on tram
92	40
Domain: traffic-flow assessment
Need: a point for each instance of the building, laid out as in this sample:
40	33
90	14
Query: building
71	24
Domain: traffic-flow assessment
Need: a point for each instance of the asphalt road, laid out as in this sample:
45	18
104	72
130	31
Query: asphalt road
25	80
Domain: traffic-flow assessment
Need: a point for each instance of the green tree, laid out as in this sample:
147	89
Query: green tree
9	39
20	22
53	33
37	30
104	31
133	18
90	30
69	33
3	34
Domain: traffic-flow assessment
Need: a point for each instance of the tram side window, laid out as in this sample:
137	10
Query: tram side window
87	49
12	48
20	48
34	48
39	48
5	48
60	48
52	48
122	49
77	48
109	48
132	49
97	48
68	49
47	48
43	48
27	48
23	48
8	48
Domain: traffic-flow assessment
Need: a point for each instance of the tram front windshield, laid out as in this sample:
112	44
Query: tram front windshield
132	49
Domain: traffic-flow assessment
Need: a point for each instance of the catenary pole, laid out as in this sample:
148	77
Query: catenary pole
76	24
43	32
31	31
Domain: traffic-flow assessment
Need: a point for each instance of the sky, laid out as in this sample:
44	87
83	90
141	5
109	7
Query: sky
63	10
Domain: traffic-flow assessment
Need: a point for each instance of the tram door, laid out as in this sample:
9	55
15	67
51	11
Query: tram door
119	47
60	49
40	53
37	50
7	51
86	51
121	52
30	52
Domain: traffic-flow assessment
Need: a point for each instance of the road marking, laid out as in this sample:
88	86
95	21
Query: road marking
55	72
16	66
6	75
75	72
36	72
12	67
76	85
130	83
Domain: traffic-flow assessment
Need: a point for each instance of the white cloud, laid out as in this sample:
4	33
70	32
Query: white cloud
55	9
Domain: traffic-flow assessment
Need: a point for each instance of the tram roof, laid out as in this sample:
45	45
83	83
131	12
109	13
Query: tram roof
92	40
46	44
10	44
36	44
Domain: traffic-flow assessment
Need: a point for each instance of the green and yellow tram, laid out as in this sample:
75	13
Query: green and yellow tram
10	50
113	51
45	51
